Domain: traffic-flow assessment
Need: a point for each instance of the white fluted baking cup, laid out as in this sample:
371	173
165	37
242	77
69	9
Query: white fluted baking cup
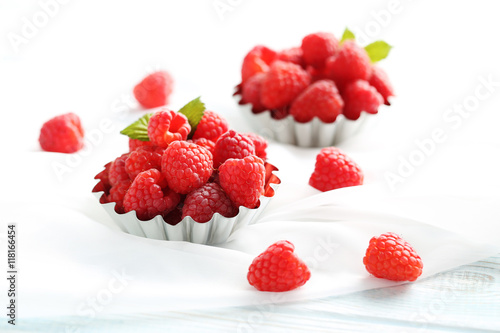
311	134
215	231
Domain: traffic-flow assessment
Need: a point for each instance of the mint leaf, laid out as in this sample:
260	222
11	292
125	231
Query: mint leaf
348	34
378	50
138	129
193	111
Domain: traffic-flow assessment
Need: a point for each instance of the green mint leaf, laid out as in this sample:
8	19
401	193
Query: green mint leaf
194	112
348	34
378	50
138	129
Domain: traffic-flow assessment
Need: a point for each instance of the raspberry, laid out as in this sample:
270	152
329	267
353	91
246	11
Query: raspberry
210	145
294	55
149	196
211	126
256	61
203	203
142	159
282	83
391	257
243	180
232	145
62	134
360	96
318	47
186	166
260	145
117	193
117	171
321	99
133	144
351	63
380	81
250	92
166	126
278	268
154	90
334	170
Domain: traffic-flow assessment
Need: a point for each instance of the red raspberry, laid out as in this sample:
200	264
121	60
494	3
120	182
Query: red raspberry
166	126
256	61
250	92
391	257
351	63
360	96
117	171
380	81
203	203
334	170
243	180
186	166
210	145
260	145
318	47
282	84
154	90
278	268
133	144
294	55
117	193
62	134
149	196
232	145
321	99
142	159
211	126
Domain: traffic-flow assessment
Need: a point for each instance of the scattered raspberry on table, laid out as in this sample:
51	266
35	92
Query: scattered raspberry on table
278	269
388	256
334	169
154	90
62	134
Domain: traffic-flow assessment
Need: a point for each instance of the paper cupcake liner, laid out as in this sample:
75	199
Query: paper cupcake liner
215	231
311	134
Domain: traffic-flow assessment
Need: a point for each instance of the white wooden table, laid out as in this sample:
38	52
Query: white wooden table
466	299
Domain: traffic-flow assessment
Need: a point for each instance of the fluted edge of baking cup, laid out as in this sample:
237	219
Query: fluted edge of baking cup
314	133
215	231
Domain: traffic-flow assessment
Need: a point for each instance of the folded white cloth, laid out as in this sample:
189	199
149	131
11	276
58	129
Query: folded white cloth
71	256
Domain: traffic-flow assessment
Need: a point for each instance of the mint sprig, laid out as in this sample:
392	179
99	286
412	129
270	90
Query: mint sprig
138	129
348	34
378	50
193	111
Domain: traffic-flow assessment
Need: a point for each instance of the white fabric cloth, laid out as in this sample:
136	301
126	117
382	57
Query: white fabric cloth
70	254
73	261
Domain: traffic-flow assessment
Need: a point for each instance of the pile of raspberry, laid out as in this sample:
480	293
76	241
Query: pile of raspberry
322	78
175	171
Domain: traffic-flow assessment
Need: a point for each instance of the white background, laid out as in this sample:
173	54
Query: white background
90	54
